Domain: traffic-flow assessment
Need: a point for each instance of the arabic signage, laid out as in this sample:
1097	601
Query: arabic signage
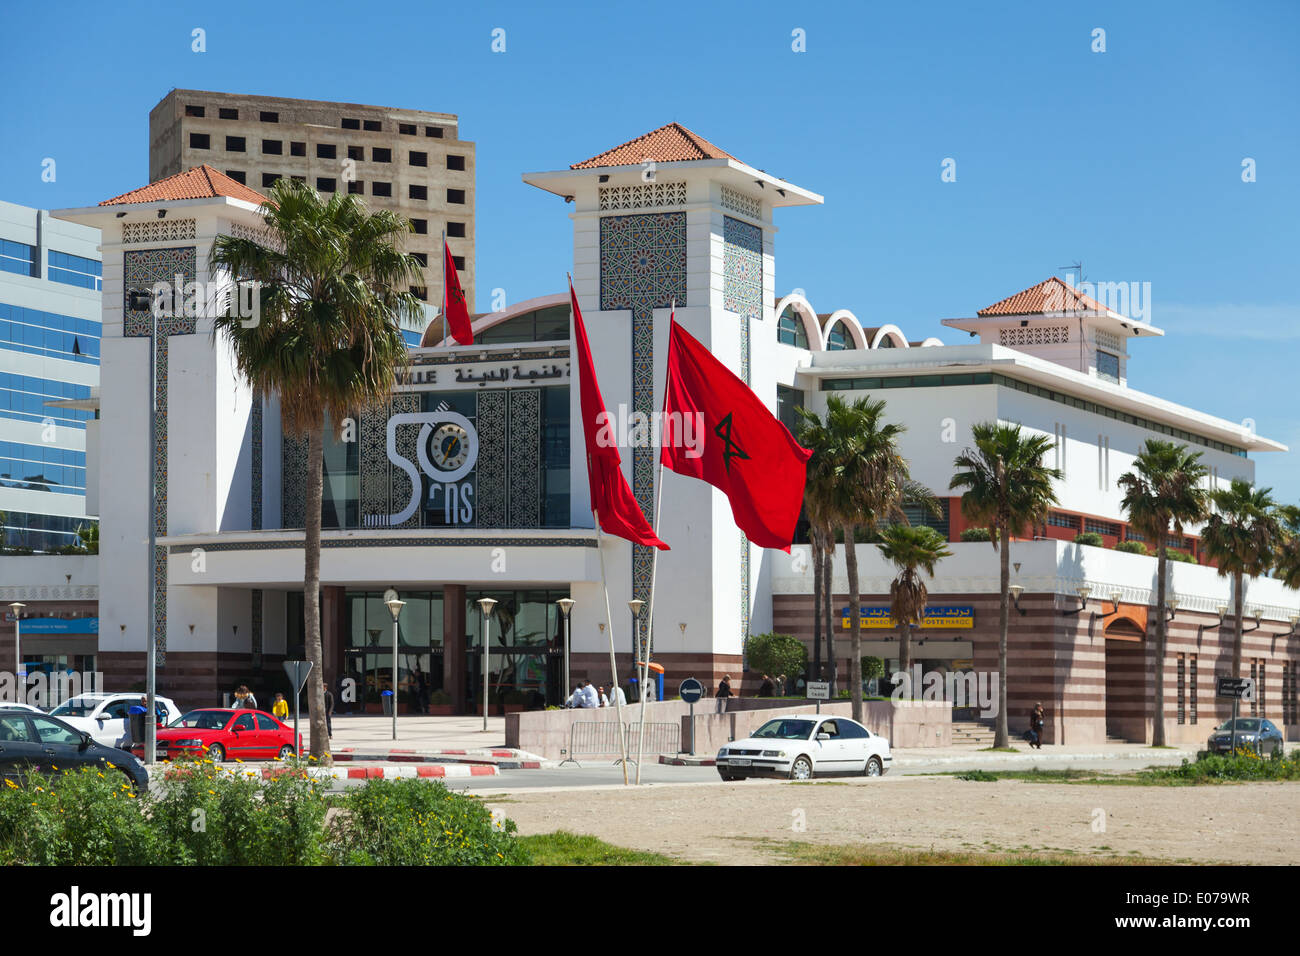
67	626
946	616
489	374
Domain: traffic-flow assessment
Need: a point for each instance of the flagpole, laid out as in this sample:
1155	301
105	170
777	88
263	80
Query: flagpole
613	667
443	256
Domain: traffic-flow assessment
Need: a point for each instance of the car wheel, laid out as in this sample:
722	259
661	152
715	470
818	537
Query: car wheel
801	769
216	753
872	768
286	752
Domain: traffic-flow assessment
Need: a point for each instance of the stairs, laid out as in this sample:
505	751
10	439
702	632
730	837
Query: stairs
971	733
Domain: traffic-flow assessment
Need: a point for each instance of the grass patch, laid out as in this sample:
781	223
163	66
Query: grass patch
563	848
1243	766
1001	750
808	854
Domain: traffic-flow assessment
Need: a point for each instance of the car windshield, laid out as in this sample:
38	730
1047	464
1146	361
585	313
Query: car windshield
785	730
1248	724
202	719
77	707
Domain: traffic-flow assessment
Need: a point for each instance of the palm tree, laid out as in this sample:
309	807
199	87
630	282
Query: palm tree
328	341
88	535
1007	487
862	482
1163	492
1242	538
912	549
1288	559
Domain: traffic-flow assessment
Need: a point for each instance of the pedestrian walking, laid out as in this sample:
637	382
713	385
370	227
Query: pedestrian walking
767	688
780	686
1037	721
329	713
724	692
280	709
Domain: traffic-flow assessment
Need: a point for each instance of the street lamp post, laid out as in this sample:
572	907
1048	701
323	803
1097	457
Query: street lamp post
394	608
566	605
485	606
635	607
17	608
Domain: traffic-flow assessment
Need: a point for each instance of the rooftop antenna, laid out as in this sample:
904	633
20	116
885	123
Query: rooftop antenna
1078	267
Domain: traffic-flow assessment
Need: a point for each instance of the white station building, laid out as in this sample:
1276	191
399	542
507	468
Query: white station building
471	481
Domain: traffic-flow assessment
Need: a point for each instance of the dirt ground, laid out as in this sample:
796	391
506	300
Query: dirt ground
1230	823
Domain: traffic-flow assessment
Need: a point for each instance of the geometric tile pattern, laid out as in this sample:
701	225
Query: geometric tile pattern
645	196
257	629
373	466
293	480
740	203
492	468
158	230
431	541
405	437
643	268
255	416
742	293
525	457
143	268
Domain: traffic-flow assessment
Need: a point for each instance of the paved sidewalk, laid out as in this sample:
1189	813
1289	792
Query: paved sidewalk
372	733
1140	754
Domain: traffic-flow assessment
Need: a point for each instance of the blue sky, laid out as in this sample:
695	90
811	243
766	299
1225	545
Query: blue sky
1128	160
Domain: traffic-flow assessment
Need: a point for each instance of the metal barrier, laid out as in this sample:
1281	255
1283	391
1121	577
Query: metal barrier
589	738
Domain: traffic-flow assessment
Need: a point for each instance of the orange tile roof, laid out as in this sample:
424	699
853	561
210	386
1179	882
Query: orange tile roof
201	182
673	143
1050	295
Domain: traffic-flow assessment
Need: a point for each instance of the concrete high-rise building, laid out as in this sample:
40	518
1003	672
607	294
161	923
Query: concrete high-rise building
410	161
49	363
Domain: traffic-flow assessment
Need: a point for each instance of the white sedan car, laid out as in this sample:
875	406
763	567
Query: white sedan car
800	746
104	716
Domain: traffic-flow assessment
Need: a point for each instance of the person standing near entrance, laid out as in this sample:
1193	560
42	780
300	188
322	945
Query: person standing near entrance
724	691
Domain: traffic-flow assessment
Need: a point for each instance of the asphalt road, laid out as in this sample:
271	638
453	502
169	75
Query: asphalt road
602	774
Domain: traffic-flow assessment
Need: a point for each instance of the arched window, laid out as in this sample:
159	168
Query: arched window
887	343
790	330
838	339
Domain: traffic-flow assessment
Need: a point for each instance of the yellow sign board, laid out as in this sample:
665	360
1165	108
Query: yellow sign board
947	617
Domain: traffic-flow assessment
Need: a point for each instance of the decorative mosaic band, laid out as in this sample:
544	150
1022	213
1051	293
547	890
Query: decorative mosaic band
643	268
141	270
424	542
255	415
742	293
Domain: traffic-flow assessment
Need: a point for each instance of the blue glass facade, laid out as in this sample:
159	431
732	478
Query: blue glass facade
17	257
75	270
50	332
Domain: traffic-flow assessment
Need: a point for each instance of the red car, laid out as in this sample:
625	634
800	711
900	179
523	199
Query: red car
220	733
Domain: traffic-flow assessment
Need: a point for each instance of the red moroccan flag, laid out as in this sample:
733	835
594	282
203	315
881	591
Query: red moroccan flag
454	309
611	498
716	429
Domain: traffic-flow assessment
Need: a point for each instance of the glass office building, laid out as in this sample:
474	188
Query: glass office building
50	281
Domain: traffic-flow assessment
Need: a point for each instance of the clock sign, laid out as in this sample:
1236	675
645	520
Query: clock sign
447	449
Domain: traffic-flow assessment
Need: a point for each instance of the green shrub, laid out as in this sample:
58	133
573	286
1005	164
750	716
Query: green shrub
1131	547
1218	768
976	534
1089	537
1182	556
211	817
82	817
777	654
978	776
420	823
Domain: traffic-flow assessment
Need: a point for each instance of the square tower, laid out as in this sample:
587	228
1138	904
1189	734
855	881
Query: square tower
669	218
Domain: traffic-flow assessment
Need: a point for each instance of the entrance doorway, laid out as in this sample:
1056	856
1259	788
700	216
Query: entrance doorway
1126	681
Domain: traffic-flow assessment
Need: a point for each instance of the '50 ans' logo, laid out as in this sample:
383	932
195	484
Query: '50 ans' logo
447	449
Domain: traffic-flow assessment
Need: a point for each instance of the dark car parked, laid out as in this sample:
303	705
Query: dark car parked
43	744
1250	736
